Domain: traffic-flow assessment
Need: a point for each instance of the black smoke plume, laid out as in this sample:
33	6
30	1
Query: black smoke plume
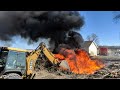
33	25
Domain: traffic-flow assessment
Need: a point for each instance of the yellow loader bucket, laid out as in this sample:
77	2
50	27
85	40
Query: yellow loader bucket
64	65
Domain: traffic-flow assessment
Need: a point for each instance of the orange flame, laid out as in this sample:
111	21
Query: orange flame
79	61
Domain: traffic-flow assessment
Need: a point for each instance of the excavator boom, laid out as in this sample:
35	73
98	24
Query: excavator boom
41	49
63	64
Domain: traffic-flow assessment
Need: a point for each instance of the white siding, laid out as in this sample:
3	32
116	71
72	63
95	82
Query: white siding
93	50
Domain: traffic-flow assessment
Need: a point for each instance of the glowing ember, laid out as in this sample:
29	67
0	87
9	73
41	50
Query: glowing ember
79	61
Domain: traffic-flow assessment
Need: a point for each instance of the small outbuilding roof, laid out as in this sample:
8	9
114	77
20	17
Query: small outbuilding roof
88	43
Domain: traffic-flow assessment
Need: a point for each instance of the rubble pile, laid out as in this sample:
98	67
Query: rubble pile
110	71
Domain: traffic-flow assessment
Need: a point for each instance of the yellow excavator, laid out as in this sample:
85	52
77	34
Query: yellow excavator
17	63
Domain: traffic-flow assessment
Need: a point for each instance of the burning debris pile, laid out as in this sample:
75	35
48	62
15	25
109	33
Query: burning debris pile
79	61
110	71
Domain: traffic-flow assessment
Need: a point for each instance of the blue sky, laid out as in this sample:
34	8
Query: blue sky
99	22
102	24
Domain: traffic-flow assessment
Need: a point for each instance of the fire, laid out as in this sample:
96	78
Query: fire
59	56
79	61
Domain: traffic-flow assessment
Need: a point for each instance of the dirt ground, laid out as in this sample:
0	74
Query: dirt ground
110	71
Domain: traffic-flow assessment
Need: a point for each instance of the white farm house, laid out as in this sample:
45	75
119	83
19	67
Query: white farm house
90	47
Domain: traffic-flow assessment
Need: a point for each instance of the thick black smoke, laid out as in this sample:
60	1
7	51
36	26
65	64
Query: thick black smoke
33	25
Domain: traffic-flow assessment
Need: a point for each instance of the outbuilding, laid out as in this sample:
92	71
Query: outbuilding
91	47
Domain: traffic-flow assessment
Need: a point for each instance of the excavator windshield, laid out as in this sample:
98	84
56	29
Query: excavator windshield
16	60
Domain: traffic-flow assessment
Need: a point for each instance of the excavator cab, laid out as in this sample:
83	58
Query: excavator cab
12	62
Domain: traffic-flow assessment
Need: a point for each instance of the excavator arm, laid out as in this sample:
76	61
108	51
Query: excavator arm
49	55
34	55
63	64
31	60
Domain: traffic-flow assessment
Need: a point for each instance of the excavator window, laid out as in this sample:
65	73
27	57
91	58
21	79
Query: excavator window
21	60
16	60
3	57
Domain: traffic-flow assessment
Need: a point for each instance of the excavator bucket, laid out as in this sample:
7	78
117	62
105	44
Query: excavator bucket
64	65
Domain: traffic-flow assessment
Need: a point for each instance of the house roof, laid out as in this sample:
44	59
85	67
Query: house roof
88	43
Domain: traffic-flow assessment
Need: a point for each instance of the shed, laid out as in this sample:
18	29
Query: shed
111	50
91	47
103	51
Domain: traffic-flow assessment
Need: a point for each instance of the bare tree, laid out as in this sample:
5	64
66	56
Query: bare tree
93	37
116	16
